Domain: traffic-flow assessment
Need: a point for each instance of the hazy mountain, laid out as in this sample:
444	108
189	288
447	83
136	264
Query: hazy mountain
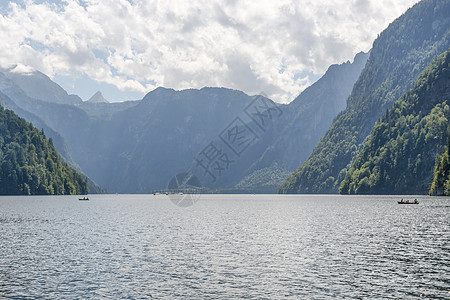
39	86
398	55
27	110
9	89
306	119
144	146
136	146
97	98
29	164
139	148
99	108
400	154
104	110
169	128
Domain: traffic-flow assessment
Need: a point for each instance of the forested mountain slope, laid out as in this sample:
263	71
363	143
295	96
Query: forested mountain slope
29	163
398	56
400	155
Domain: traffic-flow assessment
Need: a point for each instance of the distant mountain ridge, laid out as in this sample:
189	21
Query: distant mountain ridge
39	86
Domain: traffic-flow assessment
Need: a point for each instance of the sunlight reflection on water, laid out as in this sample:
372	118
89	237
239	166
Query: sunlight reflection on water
224	246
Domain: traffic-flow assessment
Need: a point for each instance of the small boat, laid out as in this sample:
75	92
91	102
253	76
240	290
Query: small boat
83	199
408	202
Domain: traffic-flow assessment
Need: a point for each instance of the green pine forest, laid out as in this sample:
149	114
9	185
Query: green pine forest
441	175
30	164
400	154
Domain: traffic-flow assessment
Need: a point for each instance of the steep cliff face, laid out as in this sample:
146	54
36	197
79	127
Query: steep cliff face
312	113
398	56
304	121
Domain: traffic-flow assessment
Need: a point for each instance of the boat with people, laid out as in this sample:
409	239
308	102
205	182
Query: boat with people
83	199
408	202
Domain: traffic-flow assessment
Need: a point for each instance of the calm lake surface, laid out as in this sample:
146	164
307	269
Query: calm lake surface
224	246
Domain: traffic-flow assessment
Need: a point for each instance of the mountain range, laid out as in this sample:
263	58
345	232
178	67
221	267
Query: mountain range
234	142
137	146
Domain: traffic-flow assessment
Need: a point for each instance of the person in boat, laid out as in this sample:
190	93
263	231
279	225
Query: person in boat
415	200
401	200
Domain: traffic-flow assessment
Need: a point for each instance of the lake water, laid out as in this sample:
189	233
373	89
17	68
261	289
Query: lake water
224	246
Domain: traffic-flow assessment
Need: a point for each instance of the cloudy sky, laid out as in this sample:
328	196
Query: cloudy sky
126	48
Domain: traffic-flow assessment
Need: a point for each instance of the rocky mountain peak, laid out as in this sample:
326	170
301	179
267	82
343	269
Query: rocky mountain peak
98	98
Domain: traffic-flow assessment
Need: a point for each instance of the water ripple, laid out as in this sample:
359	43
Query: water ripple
225	246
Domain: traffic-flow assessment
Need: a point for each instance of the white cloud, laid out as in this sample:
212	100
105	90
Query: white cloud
137	45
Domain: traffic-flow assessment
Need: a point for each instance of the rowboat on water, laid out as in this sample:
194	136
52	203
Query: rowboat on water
408	202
